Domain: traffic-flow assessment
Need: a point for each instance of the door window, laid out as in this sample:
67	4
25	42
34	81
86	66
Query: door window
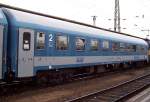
26	41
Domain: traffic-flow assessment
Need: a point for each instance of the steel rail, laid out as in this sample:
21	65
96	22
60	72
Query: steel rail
108	94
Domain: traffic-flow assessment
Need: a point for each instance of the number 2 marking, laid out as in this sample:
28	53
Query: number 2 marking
50	37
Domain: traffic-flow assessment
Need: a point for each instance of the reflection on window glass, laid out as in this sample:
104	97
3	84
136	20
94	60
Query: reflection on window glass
94	44
134	48
40	40
115	46
131	48
122	46
61	42
26	40
105	45
140	48
80	44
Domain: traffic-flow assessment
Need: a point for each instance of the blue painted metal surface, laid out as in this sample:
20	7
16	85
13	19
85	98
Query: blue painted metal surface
4	23
50	49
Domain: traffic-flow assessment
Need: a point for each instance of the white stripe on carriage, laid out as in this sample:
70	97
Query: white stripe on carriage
65	60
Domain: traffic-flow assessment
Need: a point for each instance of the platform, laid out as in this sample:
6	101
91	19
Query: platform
144	96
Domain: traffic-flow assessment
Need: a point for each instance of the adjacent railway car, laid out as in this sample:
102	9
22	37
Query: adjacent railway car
41	46
3	43
148	41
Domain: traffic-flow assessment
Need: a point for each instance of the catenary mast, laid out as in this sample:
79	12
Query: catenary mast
117	17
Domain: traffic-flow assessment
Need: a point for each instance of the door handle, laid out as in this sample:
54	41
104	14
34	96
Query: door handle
30	59
23	59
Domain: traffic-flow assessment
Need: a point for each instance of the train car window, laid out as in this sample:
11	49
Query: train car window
80	43
132	48
61	42
115	46
40	40
26	41
105	45
122	46
94	44
140	48
128	47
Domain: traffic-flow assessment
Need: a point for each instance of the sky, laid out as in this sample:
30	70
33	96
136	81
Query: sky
136	12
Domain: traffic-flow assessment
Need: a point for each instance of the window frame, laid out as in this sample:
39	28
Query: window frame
122	48
37	40
84	43
103	44
140	48
56	44
24	42
132	48
117	46
92	46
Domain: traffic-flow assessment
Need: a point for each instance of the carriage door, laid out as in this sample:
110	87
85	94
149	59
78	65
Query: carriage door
25	52
1	49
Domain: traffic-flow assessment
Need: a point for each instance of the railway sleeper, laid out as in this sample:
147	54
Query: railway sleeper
105	98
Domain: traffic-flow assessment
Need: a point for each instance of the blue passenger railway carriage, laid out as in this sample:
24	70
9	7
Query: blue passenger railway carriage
44	46
148	41
3	43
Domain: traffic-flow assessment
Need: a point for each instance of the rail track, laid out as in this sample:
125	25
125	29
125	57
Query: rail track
18	87
15	88
116	93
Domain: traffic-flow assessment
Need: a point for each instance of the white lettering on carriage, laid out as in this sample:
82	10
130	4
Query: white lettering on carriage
50	40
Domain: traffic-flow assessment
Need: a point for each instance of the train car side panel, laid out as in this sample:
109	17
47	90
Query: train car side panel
60	44
3	43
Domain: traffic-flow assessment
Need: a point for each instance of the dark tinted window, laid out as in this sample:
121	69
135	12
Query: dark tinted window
140	48
122	46
26	41
131	48
115	46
